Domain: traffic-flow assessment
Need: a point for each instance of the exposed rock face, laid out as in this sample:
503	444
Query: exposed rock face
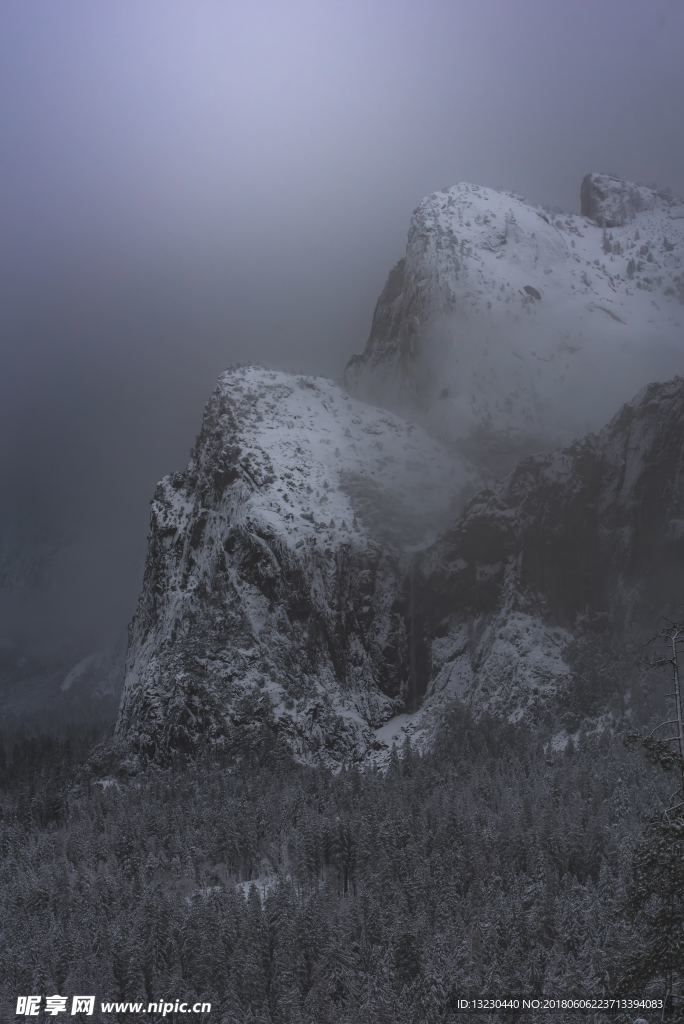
292	578
313	570
279	575
596	530
500	314
612	202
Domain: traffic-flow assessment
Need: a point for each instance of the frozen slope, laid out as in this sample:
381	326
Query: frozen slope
278	584
503	319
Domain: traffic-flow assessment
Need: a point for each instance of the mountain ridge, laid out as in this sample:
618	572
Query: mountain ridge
278	571
342	643
499	310
334	572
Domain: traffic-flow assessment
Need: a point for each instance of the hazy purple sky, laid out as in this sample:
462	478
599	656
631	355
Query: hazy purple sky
186	183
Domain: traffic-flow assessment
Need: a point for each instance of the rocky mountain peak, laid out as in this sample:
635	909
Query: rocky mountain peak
278	585
290	586
499	310
315	573
612	202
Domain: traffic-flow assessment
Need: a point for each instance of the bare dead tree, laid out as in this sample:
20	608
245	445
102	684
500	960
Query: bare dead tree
673	635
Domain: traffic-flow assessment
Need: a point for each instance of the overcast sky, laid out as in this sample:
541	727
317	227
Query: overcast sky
186	183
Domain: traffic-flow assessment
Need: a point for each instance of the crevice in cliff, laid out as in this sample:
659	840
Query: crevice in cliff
417	652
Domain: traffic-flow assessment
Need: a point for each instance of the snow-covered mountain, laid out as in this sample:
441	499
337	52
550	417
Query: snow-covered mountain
279	579
331	572
295	580
583	544
505	323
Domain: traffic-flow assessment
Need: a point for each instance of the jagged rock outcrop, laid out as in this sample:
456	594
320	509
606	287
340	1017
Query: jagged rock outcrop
311	573
294	581
278	584
500	314
612	202
590	534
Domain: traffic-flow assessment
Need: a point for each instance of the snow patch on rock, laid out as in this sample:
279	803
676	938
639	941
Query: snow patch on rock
505	320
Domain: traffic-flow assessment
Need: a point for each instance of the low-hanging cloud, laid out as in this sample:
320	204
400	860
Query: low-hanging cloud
187	185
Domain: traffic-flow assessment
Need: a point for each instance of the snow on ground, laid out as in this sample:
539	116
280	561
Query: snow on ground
107	782
395	731
264	884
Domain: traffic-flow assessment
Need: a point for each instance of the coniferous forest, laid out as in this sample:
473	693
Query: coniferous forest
491	866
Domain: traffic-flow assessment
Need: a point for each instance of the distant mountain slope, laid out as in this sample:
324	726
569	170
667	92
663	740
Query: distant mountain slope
278	584
585	544
505	321
50	693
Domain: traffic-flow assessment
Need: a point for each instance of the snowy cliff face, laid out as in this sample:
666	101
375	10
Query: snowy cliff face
613	203
310	572
313	573
279	581
500	314
592	533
